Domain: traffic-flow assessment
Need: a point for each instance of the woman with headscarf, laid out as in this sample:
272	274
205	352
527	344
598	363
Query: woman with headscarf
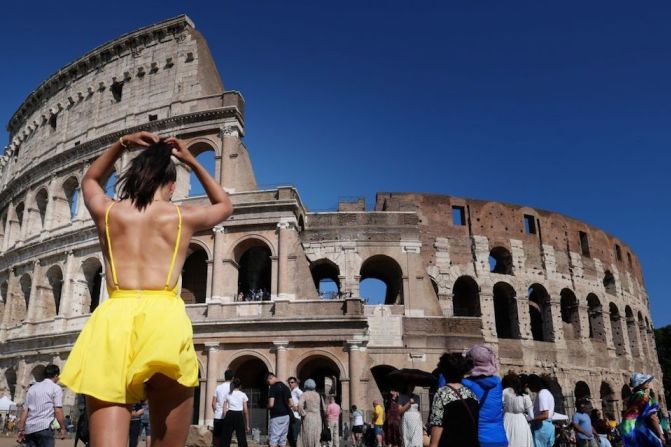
486	386
640	424
311	407
517	411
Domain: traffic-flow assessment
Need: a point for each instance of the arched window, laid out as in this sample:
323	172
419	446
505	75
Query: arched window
52	302
41	200
26	283
466	297
500	261
609	283
110	185
632	332
540	313
625	392
194	276
93	272
254	270
19	213
608	399
595	314
10	379
386	270
505	311
643	334
207	158
324	372
616	329
71	193
326	276
569	314
581	391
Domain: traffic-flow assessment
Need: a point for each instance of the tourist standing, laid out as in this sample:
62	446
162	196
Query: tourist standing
412	429
585	436
311	407
542	428
236	416
517	412
135	427
220	393
454	412
146	423
486	386
392	422
333	417
279	406
295	427
602	427
43	404
356	421
640	425
378	422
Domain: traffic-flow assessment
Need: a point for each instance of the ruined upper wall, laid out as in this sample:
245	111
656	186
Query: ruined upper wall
149	74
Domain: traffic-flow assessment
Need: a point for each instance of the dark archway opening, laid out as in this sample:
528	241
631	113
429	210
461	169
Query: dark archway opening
595	314
385	269
325	274
194	276
608	399
505	311
609	282
325	373
252	374
500	261
254	274
569	314
540	313
466	297
616	329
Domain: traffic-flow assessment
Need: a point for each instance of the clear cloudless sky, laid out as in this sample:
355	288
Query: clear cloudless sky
563	106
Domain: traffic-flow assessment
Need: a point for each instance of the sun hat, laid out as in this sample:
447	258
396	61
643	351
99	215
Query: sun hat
309	384
484	361
638	379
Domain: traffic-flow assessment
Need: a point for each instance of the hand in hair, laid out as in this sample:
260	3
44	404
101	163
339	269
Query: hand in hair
141	139
180	151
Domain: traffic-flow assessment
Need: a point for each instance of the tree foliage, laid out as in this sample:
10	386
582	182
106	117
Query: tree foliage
663	341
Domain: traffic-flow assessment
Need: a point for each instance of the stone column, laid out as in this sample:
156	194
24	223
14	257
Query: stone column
488	316
230	138
355	364
284	227
411	250
218	283
34	299
557	325
10	304
523	319
281	371
212	372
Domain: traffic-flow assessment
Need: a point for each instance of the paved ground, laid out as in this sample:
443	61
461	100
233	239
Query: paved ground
11	442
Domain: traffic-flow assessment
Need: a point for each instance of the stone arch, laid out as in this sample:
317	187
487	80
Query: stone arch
505	311
595	318
616	329
466	297
326	373
500	261
93	272
324	354
51	298
41	202
555	388
644	334
71	194
581	390
569	314
208	154
20	211
540	313
4	294
625	393
609	283
253	257
608	399
251	368
26	283
386	269
10	378
632	332
194	274
326	277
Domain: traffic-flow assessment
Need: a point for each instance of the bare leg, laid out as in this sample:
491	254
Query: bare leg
108	423
170	411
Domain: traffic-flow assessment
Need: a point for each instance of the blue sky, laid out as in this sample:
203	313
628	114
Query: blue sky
558	105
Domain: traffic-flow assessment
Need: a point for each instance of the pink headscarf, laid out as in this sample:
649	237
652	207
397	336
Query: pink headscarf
484	361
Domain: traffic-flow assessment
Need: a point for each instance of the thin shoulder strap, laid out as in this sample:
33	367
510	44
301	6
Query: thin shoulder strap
174	252
109	245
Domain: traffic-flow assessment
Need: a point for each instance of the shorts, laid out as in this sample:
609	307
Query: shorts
218	427
379	430
278	430
357	429
146	426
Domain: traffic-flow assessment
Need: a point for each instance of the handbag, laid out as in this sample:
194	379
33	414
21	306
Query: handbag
325	435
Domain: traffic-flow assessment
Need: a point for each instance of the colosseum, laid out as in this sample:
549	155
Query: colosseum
277	287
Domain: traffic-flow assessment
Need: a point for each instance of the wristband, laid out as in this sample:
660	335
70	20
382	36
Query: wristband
121	143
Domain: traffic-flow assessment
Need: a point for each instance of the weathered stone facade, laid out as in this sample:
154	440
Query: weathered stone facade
549	293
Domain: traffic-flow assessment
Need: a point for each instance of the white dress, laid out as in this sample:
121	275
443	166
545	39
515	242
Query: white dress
516	409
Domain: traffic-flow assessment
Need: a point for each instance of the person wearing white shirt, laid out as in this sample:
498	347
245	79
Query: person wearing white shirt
236	416
220	394
295	424
542	428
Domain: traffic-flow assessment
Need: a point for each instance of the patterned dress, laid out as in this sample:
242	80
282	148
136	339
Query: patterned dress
636	428
456	410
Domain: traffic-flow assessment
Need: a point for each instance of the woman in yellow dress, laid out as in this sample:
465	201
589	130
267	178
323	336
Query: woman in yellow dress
139	343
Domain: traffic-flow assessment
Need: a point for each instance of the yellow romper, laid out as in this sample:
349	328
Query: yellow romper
130	337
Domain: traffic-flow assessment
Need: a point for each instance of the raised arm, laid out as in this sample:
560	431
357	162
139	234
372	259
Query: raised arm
95	198
203	217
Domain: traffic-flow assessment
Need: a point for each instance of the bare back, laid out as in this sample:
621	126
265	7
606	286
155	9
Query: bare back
143	243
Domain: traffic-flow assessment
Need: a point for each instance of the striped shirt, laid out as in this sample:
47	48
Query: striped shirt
41	399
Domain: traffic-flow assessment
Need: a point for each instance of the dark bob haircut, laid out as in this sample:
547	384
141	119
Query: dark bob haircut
454	367
149	171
